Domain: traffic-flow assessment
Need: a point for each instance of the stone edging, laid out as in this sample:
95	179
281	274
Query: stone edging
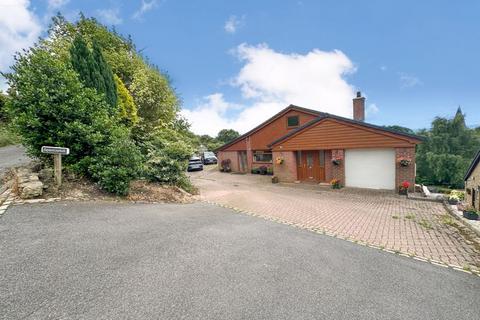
9	199
334	235
464	223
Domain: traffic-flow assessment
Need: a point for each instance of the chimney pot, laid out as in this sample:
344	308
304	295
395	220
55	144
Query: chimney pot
359	107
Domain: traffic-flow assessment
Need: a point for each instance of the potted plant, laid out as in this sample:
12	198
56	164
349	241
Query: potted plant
263	170
225	165
335	183
336	161
405	162
255	171
455	197
274	179
279	160
470	213
403	188
270	171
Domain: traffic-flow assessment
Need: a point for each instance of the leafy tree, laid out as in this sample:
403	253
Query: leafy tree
93	70
126	106
3	106
447	152
400	129
156	100
208	143
227	135
61	96
106	83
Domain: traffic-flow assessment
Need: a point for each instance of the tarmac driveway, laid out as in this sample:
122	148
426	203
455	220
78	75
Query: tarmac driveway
383	219
102	260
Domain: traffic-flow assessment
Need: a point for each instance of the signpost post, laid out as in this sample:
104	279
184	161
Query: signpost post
57	160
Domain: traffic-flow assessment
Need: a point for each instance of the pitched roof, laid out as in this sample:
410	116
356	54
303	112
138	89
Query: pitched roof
263	124
360	123
320	116
473	165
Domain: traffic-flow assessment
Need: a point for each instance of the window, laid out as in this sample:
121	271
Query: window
260	156
292	121
321	158
299	158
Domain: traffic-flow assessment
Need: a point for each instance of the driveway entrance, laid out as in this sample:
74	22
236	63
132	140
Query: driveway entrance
379	218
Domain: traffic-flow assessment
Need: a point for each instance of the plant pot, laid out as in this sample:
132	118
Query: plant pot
274	179
403	192
470	215
452	201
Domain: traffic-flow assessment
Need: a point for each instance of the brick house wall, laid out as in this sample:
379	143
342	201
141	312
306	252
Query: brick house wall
338	171
405	173
473	183
287	171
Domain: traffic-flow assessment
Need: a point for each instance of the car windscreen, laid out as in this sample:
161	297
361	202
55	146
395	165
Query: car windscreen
208	154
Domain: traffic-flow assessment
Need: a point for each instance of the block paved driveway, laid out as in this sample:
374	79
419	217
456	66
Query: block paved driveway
379	218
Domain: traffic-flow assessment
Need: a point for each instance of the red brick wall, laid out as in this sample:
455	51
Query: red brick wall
405	173
328	166
359	108
287	171
338	171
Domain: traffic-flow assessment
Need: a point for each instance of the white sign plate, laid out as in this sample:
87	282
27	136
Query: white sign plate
55	150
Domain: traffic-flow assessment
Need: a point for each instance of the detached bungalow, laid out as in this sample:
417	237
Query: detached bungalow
306	145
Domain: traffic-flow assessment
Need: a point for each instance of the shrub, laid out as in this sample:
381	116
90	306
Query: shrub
335	183
456	194
263	170
49	106
115	166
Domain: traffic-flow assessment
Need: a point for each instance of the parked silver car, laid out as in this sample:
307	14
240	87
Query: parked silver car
195	164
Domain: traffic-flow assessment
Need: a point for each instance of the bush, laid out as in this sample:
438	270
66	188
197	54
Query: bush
7	137
115	166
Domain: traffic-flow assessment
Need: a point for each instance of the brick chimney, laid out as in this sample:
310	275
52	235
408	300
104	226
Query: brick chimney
359	107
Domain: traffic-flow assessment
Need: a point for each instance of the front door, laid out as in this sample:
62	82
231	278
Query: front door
311	165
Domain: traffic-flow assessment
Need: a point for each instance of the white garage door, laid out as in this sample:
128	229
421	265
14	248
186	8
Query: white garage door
370	168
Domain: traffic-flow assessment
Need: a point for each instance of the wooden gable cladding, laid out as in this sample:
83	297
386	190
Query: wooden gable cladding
336	134
261	138
240	145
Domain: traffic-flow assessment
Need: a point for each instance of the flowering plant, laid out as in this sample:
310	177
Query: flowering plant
405	162
336	161
279	160
335	183
405	185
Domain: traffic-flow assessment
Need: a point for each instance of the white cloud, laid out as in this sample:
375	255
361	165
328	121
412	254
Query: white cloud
371	110
110	16
408	81
19	28
233	23
57	4
269	81
145	7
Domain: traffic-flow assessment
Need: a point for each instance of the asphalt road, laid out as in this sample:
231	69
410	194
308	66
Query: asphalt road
11	156
139	261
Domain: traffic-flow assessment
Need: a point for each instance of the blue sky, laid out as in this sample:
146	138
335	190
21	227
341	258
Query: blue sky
234	63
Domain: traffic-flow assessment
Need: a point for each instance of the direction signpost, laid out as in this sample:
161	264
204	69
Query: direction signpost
57	160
